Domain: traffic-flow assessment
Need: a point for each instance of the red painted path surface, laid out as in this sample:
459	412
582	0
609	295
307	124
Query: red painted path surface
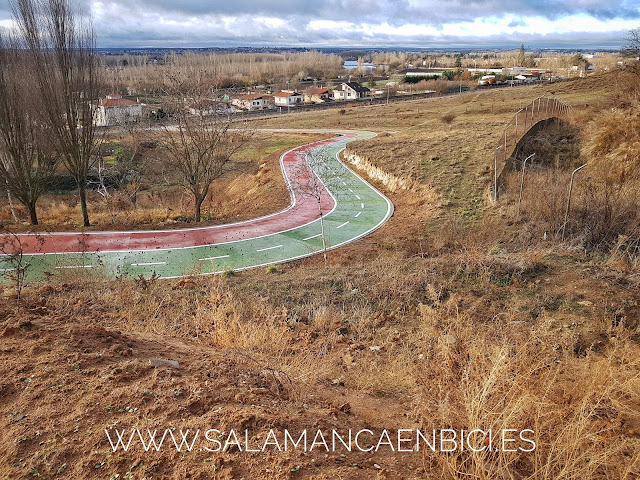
303	210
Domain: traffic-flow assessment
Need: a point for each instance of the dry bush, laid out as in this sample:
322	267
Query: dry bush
207	309
544	196
499	375
603	212
555	143
613	145
448	118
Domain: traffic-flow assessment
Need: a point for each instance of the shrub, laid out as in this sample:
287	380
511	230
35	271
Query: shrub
447	118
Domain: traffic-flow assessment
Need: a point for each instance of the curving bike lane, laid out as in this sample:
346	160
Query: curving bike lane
354	207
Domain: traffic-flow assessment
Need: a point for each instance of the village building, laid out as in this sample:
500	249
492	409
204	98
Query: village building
288	98
350	91
115	110
211	108
250	102
317	95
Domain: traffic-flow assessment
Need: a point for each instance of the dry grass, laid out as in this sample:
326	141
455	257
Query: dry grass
613	145
471	339
513	375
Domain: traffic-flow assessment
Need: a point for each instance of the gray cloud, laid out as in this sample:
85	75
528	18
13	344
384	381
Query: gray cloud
371	23
392	11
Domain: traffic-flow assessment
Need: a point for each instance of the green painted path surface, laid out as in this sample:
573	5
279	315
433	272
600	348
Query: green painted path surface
360	209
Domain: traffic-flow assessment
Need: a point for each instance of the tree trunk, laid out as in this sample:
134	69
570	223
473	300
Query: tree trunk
198	206
324	242
33	214
83	204
13	212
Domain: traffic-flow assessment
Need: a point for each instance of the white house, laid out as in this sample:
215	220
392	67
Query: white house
288	98
350	91
115	110
250	102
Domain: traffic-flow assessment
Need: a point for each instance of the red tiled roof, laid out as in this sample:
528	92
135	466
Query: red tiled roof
249	97
317	91
286	94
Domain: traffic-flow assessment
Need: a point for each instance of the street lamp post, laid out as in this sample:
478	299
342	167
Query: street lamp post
524	165
495	174
566	213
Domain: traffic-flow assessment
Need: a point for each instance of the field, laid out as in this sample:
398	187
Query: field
454	315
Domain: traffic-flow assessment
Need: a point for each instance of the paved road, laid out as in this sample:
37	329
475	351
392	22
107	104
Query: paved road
352	209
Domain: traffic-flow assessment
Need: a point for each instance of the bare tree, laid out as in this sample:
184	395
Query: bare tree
13	264
201	142
24	166
131	161
311	186
66	72
200	149
632	48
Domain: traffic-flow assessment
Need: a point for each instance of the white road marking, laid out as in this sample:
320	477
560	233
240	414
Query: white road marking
358	197
75	266
344	183
309	238
358	214
345	223
147	264
361	205
7	269
212	258
351	190
268	248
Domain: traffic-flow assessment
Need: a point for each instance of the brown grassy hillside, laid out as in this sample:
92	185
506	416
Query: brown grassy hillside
454	315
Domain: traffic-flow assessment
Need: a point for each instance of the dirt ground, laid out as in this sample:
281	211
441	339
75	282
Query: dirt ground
72	378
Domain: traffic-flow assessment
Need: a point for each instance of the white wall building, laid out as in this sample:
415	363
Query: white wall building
288	98
115	110
351	91
250	102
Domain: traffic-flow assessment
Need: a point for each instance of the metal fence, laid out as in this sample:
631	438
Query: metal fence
542	108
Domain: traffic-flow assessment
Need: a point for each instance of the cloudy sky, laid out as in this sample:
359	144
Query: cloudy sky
359	23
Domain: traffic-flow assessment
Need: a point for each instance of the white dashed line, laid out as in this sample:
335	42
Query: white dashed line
147	264
75	266
362	205
7	269
351	190
340	226
358	214
212	258
309	238
358	197
268	248
344	183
